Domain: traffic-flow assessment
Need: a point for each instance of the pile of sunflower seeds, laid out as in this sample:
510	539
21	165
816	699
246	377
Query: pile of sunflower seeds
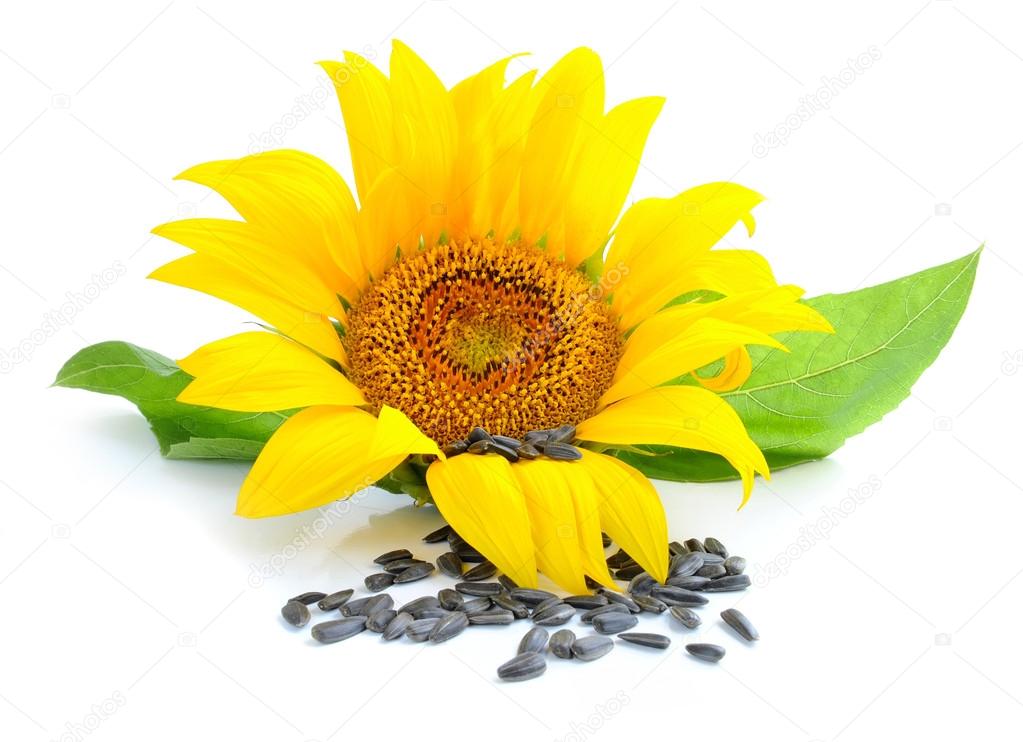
696	568
554	443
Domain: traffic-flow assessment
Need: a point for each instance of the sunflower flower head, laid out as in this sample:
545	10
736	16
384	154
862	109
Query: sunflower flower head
485	277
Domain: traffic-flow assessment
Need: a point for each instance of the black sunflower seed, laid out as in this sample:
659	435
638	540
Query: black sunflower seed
650	604
613	623
431	613
295	613
335	600
517	607
396	628
710	559
329	632
711	571
655	641
523	667
507	441
706	652
481	446
586	602
728	583
625	600
530	596
528	452
735	565
561	643
562	434
308	598
482	571
675	548
381	620
685	616
454	448
491	617
354	607
589	615
379	581
479	589
555	615
561	451
450	564
641	584
628	572
477	605
478	434
740	624
713	546
400	565
419	630
511	454
678	596
391	556
534	640
419	603
451	600
689	582
413	573
684	565
618	559
449	627
543	605
589	648
694	544
508	582
605	540
439	535
376	603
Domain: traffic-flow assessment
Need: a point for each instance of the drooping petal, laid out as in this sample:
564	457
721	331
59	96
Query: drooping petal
214	277
263	372
630	511
318	455
737	368
481	499
682	417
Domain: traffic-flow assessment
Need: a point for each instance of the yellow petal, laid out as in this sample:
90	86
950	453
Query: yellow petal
390	219
263	372
603	176
480	498
727	272
737	368
318	455
682	417
216	278
396	434
365	99
630	511
300	200
660	350
657	238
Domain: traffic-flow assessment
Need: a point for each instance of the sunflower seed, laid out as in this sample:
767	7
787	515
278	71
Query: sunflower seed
478	434
685	616
706	652
535	438
530	596
711	571
425	601
534	640
656	641
419	630
450	564
335	600
675	548
618	559
586	602
694	544
562	434
491	617
376	603
413	573
517	607
555	615
589	615
641	584
561	451
510	454
467	554
380	620
507	582
354	607
456	541
713	546
684	565
605	539
380	581
728	583
711	559
295	613
735	565
625	600
392	556
396	628
479	589
650	604
507	441
308	598
689	582
431	613
477	605
482	446
439	535
400	565
589	648
449	627
482	571
528	451
591	584
329	632
613	623
627	573
561	643
678	596
740	624
455	447
543	605
451	600
523	667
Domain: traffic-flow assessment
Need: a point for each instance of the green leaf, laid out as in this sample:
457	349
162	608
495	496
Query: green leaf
803	405
152	382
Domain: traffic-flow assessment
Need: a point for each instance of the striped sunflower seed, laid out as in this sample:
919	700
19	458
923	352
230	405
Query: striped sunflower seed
295	613
413	573
419	630
735	565
477	605
728	583
740	624
694	544
556	615
308	598
381	620
335	600
678	596
618	559
706	652
450	564
689	582
713	546
510	454
543	605
586	602
614	597
416	604
400	565
561	451
517	607
675	548
440	534
628	572
523	667
507	582
709	558
655	641
613	623
449	627
454	448
561	643
482	571
589	615
477	434
534	640
431	613
491	617
684	565
528	452
482	446
379	581
329	632
530	596
451	600
470	555
479	589
650	604
561	434
391	556
685	616
507	441
641	584
711	571
354	607
396	628
376	603
589	648
605	539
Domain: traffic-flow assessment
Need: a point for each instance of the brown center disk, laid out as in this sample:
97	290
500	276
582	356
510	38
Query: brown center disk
473	333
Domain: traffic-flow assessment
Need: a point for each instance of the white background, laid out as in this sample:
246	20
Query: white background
128	603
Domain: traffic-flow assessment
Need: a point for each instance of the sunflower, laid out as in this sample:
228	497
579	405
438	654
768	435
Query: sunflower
486	278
